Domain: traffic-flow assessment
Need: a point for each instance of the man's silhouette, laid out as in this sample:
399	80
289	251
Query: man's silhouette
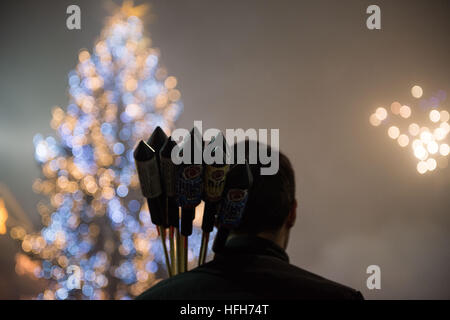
253	263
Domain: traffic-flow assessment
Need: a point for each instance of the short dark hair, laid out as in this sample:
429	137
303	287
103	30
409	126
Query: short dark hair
271	197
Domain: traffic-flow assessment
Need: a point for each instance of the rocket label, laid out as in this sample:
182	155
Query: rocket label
190	185
192	172
215	182
233	206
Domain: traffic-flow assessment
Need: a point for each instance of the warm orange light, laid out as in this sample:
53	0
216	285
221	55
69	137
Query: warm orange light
444	115
414	129
433	147
445	126
174	95
161	100
421	153
170	82
422	167
199	214
393	132
374	120
435	115
83	55
403	140
3	217
405	112
381	113
417	92
395	107
444	149
426	136
108	193
431	164
417	143
439	134
131	84
129	9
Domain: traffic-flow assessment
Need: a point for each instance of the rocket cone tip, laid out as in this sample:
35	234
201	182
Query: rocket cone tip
143	152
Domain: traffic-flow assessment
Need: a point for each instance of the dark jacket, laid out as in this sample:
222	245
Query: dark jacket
249	268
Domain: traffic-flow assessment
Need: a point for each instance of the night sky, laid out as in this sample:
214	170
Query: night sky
309	68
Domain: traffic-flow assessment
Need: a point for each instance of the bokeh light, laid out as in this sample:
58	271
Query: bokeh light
3	217
431	164
421	153
439	134
435	115
374	120
405	111
444	116
395	107
393	132
422	167
403	140
426	136
426	140
444	149
414	129
417	92
381	113
433	147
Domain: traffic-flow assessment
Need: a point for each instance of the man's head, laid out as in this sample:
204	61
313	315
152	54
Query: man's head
271	208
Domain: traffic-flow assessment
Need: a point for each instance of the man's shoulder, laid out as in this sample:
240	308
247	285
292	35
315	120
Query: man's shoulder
177	287
316	286
294	282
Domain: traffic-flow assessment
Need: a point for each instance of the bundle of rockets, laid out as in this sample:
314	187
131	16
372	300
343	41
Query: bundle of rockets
173	191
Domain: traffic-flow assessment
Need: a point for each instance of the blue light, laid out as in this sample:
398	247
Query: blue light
74	80
118	148
53	165
152	89
152	61
89	275
48	234
128	98
144	216
106	129
130	155
125	118
41	152
122	191
78	195
88	290
37	138
83	228
117	216
134	205
61	293
77	151
125	134
50	140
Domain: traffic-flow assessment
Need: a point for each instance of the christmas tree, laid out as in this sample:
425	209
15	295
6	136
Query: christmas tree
97	240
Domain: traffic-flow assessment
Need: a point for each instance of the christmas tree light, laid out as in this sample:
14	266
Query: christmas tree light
98	241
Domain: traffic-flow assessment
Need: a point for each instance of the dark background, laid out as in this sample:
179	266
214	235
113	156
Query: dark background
311	69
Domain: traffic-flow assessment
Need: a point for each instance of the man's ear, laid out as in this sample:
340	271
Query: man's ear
292	216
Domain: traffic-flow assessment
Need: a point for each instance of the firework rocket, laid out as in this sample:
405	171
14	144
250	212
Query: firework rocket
215	177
